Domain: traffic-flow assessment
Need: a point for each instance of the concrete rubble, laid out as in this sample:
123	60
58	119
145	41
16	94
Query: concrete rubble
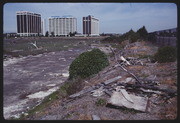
98	92
123	99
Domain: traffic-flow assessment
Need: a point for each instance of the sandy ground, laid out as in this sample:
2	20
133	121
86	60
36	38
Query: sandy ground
28	80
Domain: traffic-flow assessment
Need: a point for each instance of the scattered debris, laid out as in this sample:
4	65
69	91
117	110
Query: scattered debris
34	44
124	60
98	92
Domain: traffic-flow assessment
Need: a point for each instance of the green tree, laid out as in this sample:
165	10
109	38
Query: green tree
52	34
143	33
166	54
47	34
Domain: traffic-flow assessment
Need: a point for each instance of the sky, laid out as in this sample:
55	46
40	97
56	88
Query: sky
113	17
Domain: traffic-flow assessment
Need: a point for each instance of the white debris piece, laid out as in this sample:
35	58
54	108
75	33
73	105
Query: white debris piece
65	74
42	94
123	59
51	85
123	99
98	92
128	79
34	44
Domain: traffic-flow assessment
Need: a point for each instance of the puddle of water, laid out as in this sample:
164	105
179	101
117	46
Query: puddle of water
42	94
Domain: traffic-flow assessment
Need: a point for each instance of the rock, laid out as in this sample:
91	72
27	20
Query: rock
96	117
123	99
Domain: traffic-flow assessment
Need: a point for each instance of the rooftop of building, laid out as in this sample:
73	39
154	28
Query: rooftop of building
64	16
26	12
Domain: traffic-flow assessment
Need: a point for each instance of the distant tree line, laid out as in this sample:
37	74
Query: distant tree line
131	35
71	34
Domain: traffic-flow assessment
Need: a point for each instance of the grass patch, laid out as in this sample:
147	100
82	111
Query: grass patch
23	47
101	102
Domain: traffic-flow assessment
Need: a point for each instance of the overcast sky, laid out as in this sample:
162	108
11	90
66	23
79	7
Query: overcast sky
113	17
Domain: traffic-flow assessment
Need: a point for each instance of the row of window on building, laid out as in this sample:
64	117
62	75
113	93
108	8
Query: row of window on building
31	24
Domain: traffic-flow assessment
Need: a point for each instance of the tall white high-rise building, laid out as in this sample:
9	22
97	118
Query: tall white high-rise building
62	26
90	26
43	27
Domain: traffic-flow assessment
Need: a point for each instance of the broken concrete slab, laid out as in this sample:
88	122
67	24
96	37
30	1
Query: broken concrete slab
126	95
123	99
112	80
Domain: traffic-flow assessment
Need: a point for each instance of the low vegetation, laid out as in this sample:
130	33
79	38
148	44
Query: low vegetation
23	46
131	35
101	102
165	54
88	63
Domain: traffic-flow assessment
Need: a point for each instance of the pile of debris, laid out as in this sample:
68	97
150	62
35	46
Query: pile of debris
132	93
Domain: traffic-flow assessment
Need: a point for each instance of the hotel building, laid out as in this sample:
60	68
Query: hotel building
90	26
62	26
28	23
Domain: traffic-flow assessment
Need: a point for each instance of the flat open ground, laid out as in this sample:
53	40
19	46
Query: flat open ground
37	72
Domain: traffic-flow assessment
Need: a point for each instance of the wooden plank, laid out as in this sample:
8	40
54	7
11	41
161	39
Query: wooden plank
81	92
112	80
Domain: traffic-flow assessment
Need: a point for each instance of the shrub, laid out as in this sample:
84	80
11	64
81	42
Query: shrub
74	86
88	63
165	54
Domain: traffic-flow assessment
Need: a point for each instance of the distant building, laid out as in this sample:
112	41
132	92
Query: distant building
43	27
28	23
167	32
62	26
166	37
90	26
